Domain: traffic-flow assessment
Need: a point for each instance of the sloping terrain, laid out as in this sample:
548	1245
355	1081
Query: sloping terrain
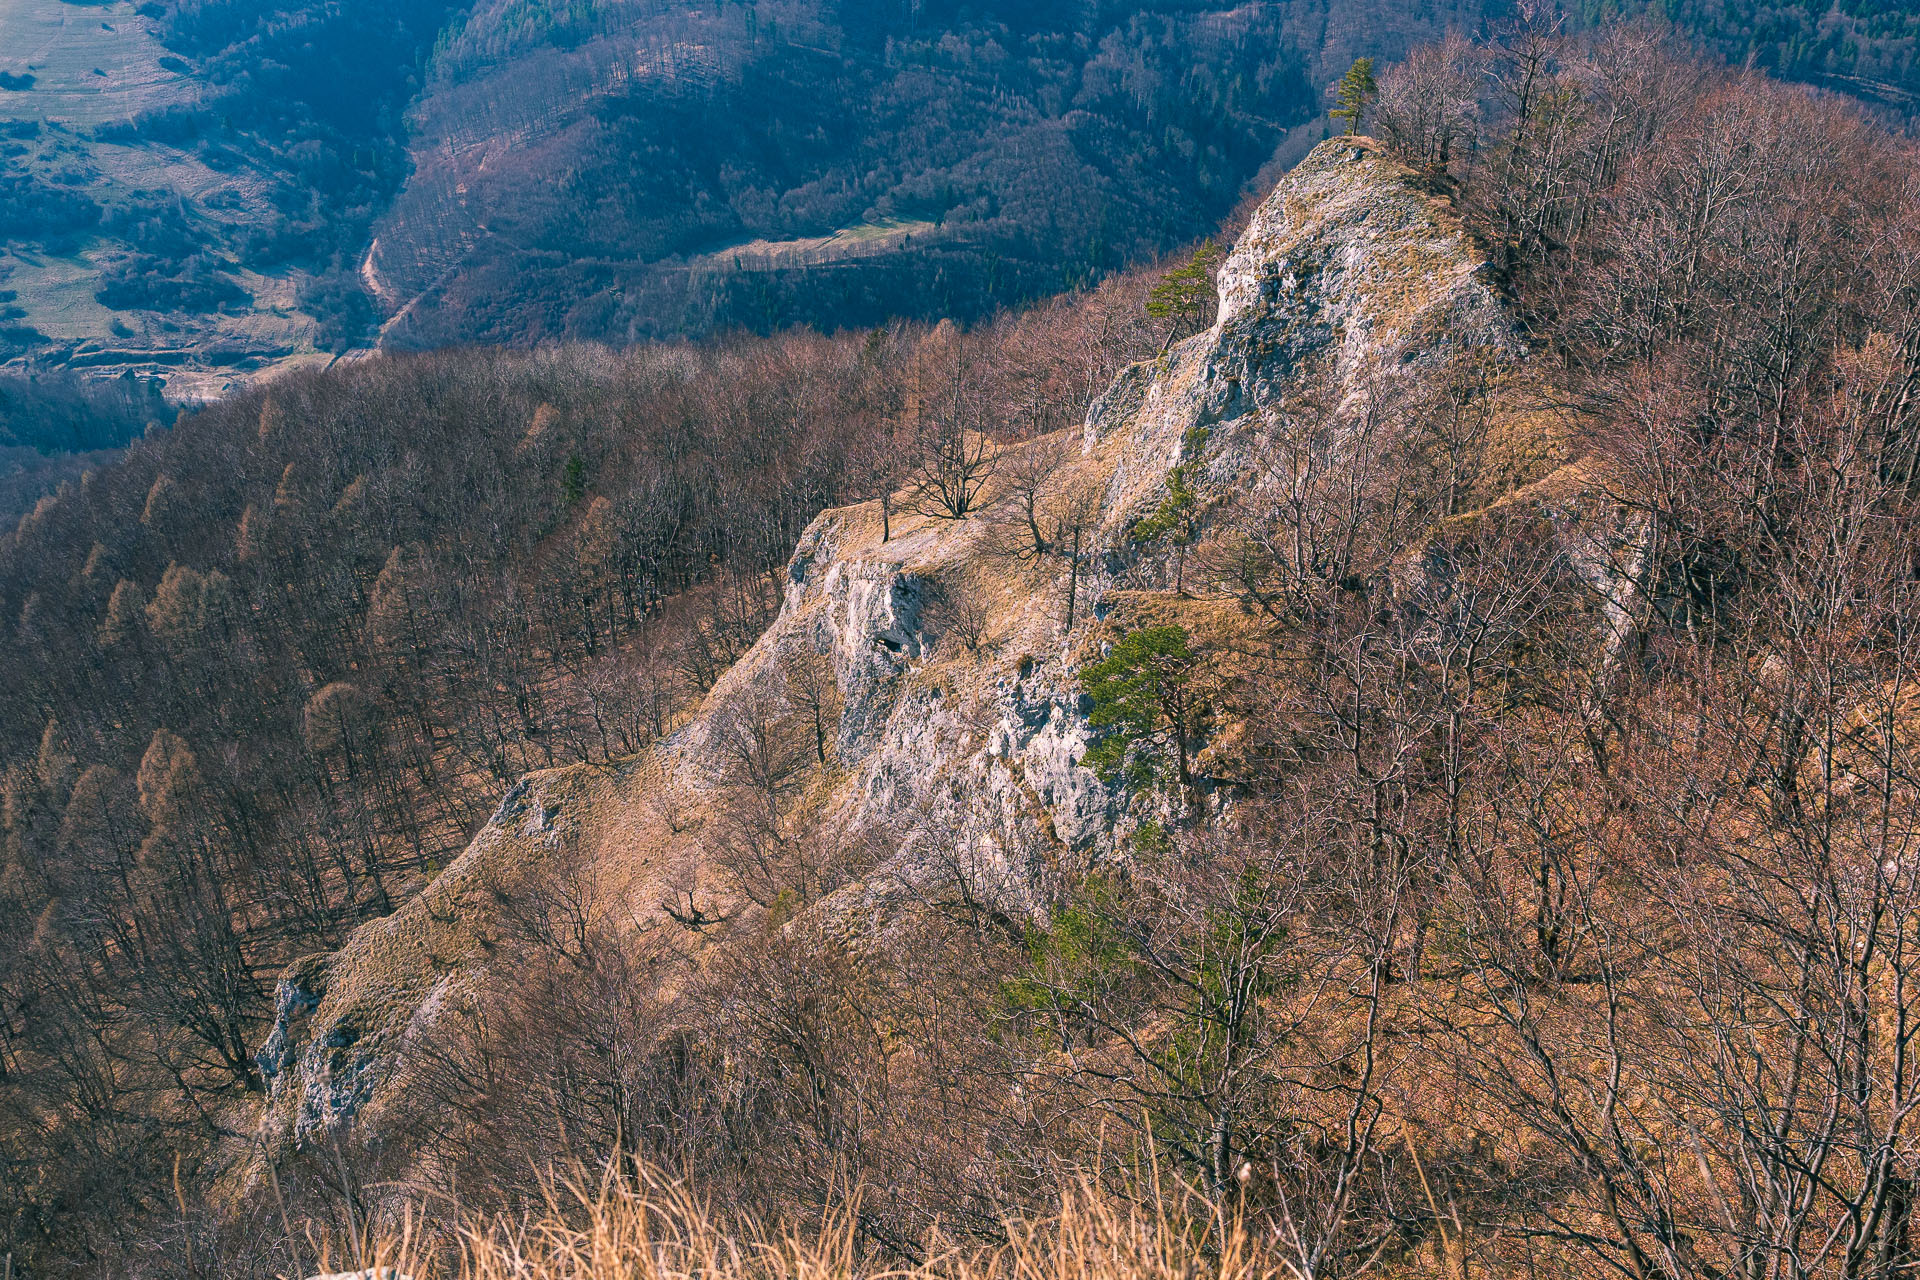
1425	761
952	763
614	172
182	184
207	190
614	175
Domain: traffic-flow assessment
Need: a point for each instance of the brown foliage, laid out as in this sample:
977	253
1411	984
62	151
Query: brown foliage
1550	906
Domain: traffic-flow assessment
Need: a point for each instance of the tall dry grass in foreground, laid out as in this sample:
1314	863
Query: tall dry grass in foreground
651	1227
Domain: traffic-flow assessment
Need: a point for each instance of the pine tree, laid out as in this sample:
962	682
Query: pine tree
1185	295
1151	691
573	484
1355	90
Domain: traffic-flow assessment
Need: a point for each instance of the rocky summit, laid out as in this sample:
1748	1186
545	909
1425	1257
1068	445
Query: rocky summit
958	741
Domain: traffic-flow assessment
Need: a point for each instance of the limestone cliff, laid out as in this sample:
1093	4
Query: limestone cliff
958	756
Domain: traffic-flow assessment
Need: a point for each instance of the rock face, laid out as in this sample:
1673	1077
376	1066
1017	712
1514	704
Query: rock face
958	756
340	1019
1351	249
1351	274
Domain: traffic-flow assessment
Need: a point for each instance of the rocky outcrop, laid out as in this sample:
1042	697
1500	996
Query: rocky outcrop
959	757
1351	277
341	1019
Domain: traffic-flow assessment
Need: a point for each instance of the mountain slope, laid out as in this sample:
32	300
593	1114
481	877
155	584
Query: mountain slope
656	169
959	729
207	190
181	183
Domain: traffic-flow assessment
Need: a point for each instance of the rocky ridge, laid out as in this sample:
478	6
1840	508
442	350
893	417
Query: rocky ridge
959	759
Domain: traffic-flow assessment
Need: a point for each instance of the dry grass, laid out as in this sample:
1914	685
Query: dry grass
649	1226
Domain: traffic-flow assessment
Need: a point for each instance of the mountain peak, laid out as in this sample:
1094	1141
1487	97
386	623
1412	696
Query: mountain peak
959	727
1376	243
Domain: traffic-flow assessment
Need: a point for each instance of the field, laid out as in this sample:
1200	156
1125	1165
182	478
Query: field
91	63
74	69
858	241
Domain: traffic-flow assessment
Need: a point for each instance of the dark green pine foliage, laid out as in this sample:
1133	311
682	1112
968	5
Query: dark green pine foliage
1354	92
573	484
1185	296
1148	693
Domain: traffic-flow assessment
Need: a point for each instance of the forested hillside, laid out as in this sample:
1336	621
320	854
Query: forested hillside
1865	47
640	169
1429	767
204	190
257	185
1389	751
55	426
271	669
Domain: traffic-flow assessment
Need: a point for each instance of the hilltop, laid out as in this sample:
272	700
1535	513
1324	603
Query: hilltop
1416	741
954	773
